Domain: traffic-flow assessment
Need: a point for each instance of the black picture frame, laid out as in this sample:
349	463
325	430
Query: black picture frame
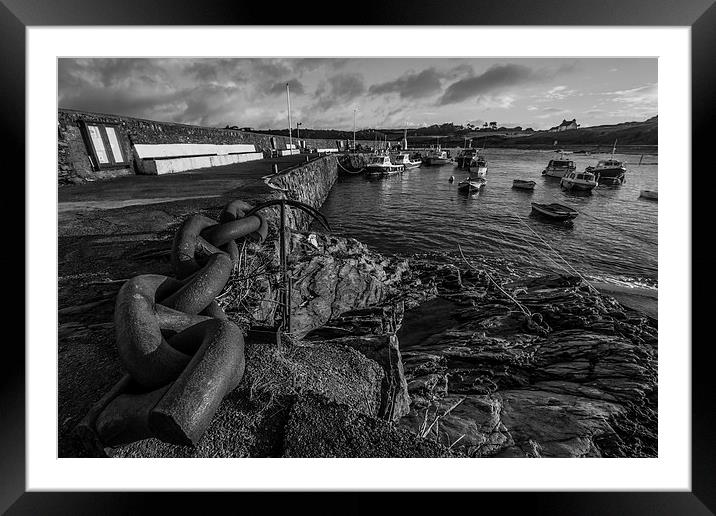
17	15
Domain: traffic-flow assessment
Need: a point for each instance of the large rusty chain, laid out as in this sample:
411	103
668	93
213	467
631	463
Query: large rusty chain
180	351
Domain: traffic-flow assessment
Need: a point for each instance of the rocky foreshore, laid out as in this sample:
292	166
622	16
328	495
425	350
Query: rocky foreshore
417	356
576	378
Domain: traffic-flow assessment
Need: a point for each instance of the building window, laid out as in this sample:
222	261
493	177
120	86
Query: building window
104	145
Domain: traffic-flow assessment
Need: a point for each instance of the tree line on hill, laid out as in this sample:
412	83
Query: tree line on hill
455	135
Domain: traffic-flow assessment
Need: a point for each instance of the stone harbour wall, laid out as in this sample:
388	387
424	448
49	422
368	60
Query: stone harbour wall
310	184
73	160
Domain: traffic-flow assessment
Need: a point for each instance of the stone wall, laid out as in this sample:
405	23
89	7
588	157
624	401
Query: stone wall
74	164
310	183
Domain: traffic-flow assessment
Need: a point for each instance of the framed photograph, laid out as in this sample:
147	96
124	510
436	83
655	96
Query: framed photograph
417	252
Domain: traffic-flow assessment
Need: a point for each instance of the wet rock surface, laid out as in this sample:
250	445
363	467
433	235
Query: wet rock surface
581	382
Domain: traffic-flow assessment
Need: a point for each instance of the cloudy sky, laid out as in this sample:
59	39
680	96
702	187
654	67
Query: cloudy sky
390	92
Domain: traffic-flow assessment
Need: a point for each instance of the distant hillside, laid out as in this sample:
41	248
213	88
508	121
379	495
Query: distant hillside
627	133
641	134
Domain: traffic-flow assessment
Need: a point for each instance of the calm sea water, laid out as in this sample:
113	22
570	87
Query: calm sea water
614	239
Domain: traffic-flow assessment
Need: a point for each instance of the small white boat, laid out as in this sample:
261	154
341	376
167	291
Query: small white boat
382	166
470	185
437	157
559	167
649	194
404	159
479	165
521	184
583	181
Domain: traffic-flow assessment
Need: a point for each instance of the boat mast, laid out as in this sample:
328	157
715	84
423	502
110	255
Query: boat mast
354	129
288	102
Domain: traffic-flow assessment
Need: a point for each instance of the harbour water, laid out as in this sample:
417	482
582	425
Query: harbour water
613	240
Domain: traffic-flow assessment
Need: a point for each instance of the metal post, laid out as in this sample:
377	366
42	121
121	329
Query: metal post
354	129
288	102
283	294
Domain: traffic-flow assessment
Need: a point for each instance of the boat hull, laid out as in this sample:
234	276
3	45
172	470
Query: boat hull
523	185
480	171
471	187
437	161
554	212
383	171
463	162
610	176
556	172
581	187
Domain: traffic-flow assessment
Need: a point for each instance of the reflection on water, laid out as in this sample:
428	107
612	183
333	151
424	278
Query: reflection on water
614	238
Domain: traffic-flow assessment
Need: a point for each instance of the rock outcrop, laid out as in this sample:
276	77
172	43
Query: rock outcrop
464	366
580	383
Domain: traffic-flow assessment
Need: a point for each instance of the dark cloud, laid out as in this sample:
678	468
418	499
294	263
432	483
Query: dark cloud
498	76
341	88
495	77
104	72
347	86
295	86
411	84
459	70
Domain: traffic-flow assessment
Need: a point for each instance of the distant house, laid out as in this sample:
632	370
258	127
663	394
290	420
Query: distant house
565	126
493	126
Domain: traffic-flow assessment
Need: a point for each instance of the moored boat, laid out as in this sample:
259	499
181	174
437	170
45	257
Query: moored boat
437	157
649	194
346	168
582	181
521	184
559	167
554	211
471	184
464	158
479	165
610	171
382	166
404	159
